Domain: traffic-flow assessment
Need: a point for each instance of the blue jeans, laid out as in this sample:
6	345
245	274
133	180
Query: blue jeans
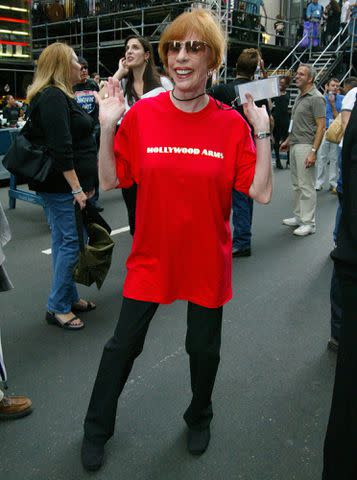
65	250
242	220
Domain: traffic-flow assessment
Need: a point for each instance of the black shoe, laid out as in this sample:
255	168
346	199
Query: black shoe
92	455
279	165
332	344
198	440
98	207
241	253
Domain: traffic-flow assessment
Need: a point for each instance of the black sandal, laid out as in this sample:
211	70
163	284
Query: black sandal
78	307
53	319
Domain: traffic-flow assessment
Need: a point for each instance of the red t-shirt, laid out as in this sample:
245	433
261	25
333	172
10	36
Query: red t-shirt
185	166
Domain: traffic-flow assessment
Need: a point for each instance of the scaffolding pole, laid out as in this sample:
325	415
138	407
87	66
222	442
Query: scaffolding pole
222	10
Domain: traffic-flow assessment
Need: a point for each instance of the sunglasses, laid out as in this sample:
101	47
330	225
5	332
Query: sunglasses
84	68
191	46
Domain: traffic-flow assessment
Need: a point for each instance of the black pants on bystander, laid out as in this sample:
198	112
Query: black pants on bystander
340	460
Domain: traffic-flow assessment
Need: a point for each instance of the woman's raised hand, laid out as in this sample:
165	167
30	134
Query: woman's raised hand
123	70
257	116
111	106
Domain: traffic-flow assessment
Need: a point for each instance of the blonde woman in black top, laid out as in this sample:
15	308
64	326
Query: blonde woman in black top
67	130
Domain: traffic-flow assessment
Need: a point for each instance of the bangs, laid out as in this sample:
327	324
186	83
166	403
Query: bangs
198	22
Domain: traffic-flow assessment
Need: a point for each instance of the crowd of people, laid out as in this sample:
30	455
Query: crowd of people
249	18
321	24
183	124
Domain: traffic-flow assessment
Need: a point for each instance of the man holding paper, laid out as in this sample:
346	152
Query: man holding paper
242	205
307	128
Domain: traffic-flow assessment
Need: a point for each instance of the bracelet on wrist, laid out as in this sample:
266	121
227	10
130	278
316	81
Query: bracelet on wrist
261	135
75	192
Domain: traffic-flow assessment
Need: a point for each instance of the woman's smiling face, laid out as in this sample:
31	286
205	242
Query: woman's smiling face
188	64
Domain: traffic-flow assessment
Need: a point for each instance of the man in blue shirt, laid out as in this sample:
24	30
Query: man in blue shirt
253	18
327	158
314	11
253	7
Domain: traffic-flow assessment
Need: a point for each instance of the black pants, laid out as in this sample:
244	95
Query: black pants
203	342
279	39
340	459
129	195
336	301
280	134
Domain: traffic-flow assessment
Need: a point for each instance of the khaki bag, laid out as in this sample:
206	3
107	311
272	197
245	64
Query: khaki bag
334	132
95	257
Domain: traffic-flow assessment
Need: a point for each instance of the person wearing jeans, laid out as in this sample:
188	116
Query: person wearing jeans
60	124
242	214
65	249
242	205
327	158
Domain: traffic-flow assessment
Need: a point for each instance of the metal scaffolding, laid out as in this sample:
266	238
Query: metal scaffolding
100	36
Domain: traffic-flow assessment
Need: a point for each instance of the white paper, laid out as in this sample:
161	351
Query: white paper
259	89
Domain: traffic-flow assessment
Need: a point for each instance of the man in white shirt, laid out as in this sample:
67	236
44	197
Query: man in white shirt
345	13
345	17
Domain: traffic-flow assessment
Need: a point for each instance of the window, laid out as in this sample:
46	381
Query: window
15	30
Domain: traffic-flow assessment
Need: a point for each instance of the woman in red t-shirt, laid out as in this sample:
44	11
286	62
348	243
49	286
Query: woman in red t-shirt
189	154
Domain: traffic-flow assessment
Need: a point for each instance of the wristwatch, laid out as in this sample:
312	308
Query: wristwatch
314	150
261	135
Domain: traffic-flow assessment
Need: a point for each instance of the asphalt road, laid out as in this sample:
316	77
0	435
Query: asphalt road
273	391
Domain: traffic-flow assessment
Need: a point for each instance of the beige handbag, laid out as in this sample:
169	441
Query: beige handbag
334	132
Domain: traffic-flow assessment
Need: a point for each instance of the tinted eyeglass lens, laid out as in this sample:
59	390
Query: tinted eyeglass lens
174	47
191	46
195	46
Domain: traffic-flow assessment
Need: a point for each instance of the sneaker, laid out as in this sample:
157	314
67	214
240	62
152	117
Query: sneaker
304	230
291	222
318	188
15	407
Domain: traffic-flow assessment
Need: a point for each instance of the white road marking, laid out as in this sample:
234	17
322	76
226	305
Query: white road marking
114	232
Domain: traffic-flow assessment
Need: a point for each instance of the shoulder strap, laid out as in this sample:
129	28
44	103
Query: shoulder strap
34	104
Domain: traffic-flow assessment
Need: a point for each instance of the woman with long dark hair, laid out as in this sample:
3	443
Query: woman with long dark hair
139	78
333	13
